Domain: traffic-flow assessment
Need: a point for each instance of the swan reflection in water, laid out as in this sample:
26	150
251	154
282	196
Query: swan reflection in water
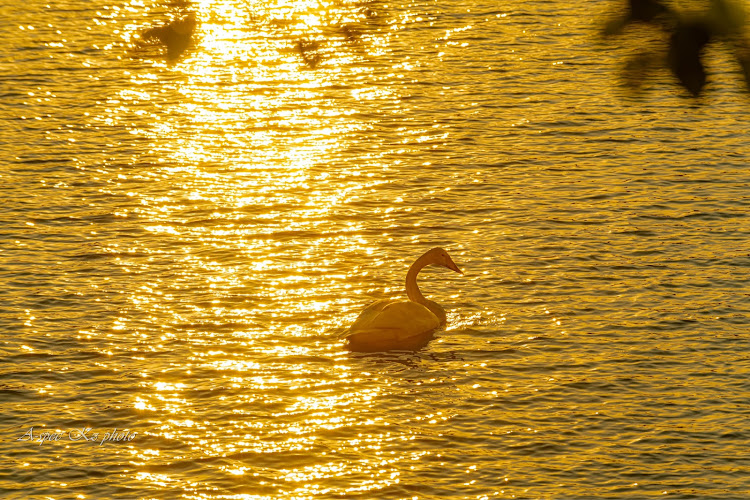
388	325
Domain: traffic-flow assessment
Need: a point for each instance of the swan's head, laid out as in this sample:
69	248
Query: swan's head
439	257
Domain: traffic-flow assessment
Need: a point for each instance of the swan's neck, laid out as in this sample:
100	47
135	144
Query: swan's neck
412	289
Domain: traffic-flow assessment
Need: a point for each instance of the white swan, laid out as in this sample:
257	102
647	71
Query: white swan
403	324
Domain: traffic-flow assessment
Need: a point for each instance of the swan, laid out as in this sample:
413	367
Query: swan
402	324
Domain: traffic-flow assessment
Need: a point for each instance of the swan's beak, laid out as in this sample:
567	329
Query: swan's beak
452	266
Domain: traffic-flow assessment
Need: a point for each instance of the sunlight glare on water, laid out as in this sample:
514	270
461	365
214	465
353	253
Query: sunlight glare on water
186	238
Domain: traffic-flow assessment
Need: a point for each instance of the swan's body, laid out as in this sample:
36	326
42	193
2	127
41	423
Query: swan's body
403	324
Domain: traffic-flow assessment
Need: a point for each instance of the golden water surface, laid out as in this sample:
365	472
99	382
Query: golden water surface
183	241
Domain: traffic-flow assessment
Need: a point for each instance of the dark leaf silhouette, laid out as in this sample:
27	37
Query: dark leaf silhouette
684	58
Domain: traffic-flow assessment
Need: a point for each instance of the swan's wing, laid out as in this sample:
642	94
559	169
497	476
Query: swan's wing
367	315
393	321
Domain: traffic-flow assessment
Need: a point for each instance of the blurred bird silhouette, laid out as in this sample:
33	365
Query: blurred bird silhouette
351	33
309	52
688	37
175	36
